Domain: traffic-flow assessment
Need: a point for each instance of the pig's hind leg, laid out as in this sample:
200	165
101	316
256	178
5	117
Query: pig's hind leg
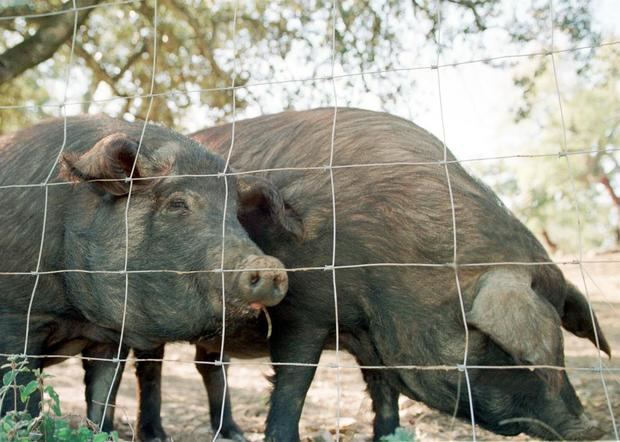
296	348
382	384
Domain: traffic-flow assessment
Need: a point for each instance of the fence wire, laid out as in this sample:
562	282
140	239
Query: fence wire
454	263
332	267
577	209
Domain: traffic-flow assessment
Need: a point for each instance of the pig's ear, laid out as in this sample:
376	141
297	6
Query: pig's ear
107	165
526	326
261	206
577	320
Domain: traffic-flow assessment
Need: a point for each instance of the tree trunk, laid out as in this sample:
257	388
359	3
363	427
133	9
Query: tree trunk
551	245
52	33
615	199
604	180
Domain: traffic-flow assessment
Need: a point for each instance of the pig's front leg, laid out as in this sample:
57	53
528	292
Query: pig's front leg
215	384
102	380
298	342
148	374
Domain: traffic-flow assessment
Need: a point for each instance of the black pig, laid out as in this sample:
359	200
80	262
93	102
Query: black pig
174	225
392	315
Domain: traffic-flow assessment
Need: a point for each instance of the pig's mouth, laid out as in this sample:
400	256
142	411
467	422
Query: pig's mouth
532	426
254	309
237	315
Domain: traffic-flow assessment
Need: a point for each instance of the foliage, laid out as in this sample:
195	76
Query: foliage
286	41
540	190
49	425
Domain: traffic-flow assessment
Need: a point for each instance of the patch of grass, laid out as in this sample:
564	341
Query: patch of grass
50	425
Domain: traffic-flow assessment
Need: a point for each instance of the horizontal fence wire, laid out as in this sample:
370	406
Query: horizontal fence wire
329	365
448	265
71	10
250	85
559	154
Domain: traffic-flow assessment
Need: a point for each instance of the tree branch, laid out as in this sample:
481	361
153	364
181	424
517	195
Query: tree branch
52	33
16	10
98	71
130	61
472	6
203	43
604	180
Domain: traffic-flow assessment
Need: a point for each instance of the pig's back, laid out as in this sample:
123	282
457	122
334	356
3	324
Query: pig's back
400	212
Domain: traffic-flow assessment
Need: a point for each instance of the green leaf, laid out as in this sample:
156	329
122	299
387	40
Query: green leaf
26	390
100	437
7	425
47	427
9	377
84	434
62	434
56	400
399	435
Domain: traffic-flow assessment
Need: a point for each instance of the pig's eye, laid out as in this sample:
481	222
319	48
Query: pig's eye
178	205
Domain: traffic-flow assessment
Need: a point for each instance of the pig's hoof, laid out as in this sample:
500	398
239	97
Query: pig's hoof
234	438
231	434
154	436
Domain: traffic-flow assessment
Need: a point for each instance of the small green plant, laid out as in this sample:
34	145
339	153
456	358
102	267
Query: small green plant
400	435
49	425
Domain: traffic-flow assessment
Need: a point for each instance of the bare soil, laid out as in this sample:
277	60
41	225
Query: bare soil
185	408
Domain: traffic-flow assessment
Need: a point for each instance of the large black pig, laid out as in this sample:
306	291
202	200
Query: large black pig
76	303
391	315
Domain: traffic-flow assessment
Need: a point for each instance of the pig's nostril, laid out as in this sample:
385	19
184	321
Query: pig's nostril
254	279
278	283
263	287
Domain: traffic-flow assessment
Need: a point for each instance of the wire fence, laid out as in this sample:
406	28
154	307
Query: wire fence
455	265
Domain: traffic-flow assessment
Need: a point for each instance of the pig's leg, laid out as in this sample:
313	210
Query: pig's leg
384	402
214	381
294	342
101	379
149	387
382	384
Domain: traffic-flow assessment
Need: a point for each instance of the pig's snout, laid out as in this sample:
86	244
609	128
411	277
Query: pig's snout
584	429
264	285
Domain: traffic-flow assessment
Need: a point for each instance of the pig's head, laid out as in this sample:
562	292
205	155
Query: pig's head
511	324
175	235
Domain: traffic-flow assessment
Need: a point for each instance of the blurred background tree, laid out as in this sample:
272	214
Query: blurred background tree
540	191
114	45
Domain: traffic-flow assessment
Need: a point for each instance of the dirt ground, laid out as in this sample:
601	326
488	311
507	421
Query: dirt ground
185	408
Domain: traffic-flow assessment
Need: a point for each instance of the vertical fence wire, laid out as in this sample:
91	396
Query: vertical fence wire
117	359
48	177
577	209
454	263
333	198
224	174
